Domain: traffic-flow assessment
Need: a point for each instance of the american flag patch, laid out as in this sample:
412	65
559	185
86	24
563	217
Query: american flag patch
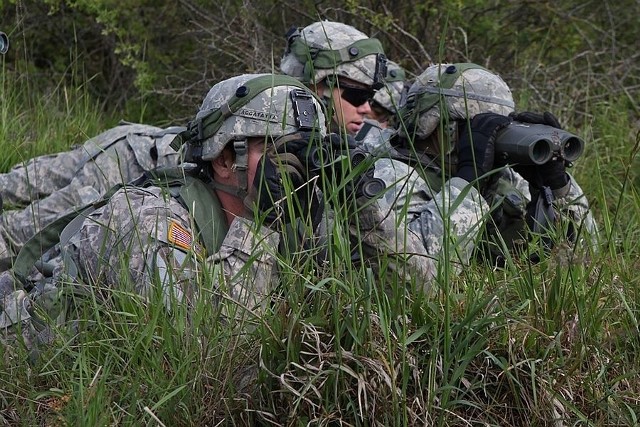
181	237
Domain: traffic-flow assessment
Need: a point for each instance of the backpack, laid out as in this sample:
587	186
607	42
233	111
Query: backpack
180	183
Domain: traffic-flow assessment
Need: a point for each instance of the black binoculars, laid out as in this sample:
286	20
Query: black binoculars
527	143
326	157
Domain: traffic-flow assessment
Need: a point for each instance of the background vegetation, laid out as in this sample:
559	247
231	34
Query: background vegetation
549	344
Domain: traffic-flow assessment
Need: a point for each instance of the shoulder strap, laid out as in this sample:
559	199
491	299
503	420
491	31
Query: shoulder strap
207	212
50	235
198	198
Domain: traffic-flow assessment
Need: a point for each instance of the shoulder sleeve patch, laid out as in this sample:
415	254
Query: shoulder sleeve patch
180	237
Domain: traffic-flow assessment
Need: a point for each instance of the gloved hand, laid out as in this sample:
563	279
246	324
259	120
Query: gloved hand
300	144
551	174
282	190
545	118
476	145
347	170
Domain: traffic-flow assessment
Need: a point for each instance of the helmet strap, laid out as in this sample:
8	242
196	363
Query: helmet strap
240	166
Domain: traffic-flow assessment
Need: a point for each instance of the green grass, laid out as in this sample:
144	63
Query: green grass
44	117
554	342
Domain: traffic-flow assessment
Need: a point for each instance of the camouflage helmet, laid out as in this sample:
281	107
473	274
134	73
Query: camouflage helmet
467	89
252	105
390	95
331	48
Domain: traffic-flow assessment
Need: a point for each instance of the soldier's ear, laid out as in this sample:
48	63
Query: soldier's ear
223	164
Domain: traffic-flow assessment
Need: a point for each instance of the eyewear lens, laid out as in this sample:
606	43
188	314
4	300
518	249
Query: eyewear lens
355	96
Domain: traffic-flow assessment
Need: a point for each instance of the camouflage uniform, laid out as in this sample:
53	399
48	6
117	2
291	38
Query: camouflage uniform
146	237
453	213
416	218
471	90
167	252
152	237
48	187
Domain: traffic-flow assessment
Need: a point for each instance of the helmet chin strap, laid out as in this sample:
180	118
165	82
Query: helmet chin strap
327	99
240	167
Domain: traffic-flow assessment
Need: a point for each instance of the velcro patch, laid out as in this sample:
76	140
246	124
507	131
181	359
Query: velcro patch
180	237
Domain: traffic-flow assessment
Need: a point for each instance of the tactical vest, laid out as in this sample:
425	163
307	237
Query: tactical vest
192	193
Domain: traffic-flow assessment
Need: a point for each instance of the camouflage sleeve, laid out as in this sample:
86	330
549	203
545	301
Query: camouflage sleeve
38	177
147	236
387	243
456	213
454	216
245	264
411	224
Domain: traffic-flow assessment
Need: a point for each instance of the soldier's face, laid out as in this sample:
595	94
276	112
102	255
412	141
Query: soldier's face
225	172
351	104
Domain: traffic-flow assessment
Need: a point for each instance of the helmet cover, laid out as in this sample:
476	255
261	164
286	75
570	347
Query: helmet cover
332	48
467	89
252	105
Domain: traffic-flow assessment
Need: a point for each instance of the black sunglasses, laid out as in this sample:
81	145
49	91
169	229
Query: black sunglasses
355	96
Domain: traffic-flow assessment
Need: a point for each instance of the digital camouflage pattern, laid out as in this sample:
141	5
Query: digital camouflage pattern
145	238
426	209
390	95
471	90
453	213
375	138
162	252
328	35
50	186
476	90
270	113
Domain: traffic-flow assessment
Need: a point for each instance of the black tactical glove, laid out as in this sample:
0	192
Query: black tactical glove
545	118
283	192
551	174
476	145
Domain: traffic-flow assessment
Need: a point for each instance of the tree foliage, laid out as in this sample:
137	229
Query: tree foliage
170	52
